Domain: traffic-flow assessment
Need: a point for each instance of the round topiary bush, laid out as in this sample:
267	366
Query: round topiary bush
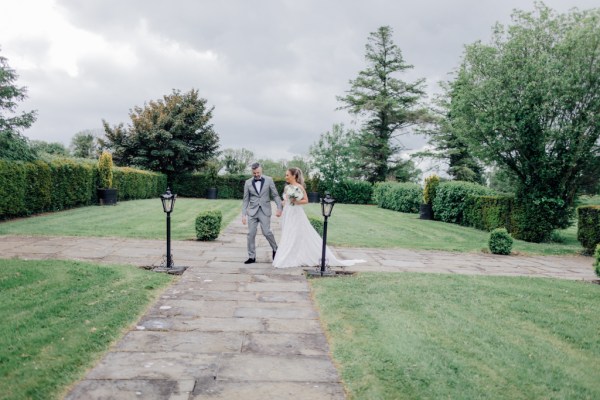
208	224
500	241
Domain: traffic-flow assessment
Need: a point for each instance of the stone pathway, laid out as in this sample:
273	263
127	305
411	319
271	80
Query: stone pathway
225	330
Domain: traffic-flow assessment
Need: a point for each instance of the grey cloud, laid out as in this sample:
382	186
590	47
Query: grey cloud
279	64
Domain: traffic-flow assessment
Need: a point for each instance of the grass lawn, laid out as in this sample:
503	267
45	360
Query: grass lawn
421	336
370	226
350	226
59	317
144	219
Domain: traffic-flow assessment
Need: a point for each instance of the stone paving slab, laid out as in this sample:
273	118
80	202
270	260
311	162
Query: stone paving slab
268	368
132	389
227	390
155	365
189	342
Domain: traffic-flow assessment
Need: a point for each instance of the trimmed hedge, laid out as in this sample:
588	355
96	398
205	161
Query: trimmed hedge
403	197
137	184
488	212
451	197
588	227
208	224
228	186
232	187
39	186
350	191
13	188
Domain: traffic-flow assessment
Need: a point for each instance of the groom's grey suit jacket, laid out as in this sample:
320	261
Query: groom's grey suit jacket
253	200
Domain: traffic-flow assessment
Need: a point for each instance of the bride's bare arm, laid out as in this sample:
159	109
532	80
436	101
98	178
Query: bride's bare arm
304	198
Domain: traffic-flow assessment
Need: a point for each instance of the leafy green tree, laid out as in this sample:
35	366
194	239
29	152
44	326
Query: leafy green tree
502	179
334	154
54	148
301	162
529	101
388	105
13	145
236	161
273	168
172	135
84	145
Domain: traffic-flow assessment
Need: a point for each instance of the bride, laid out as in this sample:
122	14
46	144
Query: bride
300	245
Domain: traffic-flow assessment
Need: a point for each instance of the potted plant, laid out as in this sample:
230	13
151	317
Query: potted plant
212	175
313	188
107	195
426	209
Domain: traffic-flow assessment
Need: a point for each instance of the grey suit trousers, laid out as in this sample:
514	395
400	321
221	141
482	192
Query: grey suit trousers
265	227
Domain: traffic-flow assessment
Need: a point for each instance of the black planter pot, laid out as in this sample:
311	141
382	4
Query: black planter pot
211	193
426	211
313	197
107	197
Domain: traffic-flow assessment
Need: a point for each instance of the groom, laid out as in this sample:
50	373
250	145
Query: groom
256	209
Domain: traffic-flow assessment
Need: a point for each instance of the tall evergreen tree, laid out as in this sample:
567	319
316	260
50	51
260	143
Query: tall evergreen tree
388	105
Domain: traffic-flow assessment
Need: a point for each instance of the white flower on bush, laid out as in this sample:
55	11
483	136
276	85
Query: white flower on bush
294	192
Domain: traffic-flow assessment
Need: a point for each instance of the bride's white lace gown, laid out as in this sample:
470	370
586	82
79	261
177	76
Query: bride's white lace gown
300	245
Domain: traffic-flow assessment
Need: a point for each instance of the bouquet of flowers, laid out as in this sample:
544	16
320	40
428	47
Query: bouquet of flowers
294	192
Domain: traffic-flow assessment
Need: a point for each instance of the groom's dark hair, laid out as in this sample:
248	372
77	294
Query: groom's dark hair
255	165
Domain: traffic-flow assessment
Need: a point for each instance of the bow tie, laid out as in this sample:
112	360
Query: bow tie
257	180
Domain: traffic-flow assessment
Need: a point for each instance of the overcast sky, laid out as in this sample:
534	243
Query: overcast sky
272	68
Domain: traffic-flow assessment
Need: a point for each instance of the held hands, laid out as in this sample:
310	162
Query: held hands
278	213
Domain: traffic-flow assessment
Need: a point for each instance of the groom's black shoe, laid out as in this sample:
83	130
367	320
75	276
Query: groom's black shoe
250	261
274	252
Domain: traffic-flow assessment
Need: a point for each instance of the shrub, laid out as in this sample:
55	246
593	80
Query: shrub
488	212
351	191
39	187
597	260
73	183
500	241
403	197
228	186
13	184
431	184
208	224
59	184
588	229
105	173
450	199
317	224
137	184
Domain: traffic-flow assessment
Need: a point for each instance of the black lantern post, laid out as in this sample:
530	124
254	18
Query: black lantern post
168	203
327	204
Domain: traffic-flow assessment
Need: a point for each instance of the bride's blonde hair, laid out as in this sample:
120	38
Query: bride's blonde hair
297	173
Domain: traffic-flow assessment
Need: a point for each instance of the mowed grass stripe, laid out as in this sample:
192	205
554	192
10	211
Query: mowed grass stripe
447	336
58	317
